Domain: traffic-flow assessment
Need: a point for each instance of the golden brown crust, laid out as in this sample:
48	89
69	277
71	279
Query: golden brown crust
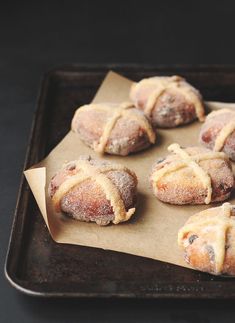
116	129
194	175
167	101
207	239
107	182
218	132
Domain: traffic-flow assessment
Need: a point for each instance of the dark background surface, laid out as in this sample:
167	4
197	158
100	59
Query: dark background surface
39	35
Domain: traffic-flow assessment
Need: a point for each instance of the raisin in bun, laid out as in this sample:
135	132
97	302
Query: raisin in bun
218	132
208	240
94	190
167	101
118	129
192	175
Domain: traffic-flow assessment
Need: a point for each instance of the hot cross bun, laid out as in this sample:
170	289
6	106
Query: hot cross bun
93	190
208	240
168	101
218	132
192	175
118	129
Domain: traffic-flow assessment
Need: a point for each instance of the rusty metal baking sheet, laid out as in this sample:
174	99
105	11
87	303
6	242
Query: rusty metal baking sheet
37	265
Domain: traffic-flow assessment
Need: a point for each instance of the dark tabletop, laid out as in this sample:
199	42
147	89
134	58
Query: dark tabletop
36	36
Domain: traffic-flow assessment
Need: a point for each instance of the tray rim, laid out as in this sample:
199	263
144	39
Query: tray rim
38	102
29	159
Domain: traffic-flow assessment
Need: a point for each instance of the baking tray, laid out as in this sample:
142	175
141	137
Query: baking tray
38	266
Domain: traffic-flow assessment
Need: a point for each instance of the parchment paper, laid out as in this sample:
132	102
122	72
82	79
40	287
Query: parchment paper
152	231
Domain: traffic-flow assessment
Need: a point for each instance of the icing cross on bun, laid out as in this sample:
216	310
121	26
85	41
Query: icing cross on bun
208	240
118	129
192	175
168	101
93	190
218	132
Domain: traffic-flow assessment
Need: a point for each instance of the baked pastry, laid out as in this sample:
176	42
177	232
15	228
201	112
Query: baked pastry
167	101
192	175
218	132
118	129
208	240
93	190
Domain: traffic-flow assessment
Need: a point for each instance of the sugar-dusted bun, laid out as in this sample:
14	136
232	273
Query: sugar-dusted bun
167	101
94	190
193	175
118	129
208	240
218	132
